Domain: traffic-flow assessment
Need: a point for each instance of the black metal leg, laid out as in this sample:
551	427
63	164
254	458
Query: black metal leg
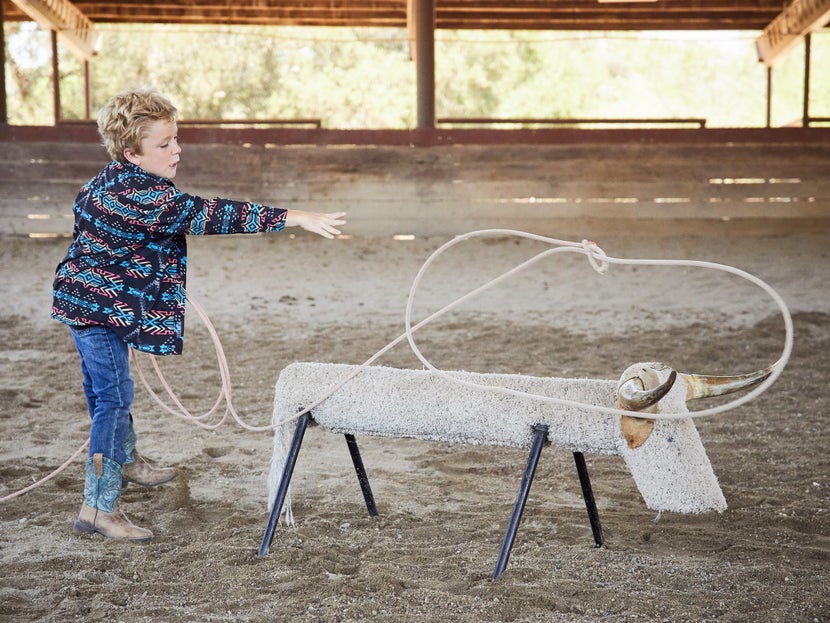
588	494
282	490
362	478
540	432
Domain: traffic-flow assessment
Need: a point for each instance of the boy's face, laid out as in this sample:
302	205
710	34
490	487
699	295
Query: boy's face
159	150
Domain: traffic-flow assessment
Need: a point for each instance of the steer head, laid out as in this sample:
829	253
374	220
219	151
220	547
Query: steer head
643	385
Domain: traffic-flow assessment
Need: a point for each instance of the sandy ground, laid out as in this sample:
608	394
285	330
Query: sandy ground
443	509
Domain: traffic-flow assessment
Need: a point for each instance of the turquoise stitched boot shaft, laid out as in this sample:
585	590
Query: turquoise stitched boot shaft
129	445
103	483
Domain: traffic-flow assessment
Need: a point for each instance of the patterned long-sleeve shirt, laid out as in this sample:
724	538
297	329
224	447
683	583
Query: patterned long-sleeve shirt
126	266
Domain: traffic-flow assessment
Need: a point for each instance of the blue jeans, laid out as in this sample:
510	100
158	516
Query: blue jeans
108	387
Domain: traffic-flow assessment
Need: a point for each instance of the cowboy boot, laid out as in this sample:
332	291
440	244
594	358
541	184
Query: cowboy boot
138	469
143	473
101	511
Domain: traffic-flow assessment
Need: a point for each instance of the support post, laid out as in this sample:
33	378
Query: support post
87	91
362	478
540	433
425	62
588	496
4	114
805	116
56	78
282	490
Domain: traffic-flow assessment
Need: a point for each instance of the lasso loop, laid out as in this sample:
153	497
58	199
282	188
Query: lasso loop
593	252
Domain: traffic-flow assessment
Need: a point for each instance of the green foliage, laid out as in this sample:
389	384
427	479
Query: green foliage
364	78
28	74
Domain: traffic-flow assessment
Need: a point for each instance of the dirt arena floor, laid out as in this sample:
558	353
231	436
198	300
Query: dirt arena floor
443	509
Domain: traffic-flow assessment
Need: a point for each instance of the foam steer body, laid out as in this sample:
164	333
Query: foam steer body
671	468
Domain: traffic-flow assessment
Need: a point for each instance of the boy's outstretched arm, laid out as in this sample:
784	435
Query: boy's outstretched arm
324	224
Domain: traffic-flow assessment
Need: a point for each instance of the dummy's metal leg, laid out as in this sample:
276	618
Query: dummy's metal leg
588	494
540	433
362	478
282	490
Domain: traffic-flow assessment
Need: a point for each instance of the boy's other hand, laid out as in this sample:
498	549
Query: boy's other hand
324	224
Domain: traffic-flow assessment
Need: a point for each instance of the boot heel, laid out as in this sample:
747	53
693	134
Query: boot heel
83	527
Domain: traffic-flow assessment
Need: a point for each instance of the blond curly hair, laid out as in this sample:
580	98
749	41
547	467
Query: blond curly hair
126	119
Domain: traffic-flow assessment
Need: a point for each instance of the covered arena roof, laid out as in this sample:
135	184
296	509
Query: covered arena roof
781	24
449	14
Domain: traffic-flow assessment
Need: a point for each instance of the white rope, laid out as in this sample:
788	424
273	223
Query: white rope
598	260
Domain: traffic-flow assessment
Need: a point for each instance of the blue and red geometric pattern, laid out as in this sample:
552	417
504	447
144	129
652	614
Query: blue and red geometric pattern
127	263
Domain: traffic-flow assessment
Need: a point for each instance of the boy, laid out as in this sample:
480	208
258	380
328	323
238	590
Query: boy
121	284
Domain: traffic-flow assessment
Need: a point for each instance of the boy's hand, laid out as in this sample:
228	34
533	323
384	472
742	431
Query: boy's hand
316	222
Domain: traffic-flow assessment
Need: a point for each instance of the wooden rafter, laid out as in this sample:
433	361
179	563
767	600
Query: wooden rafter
799	18
450	14
75	30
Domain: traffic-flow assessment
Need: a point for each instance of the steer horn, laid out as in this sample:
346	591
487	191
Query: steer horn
700	386
641	389
634	397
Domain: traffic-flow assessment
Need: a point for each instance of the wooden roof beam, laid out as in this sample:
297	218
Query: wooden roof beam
800	18
74	29
455	14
